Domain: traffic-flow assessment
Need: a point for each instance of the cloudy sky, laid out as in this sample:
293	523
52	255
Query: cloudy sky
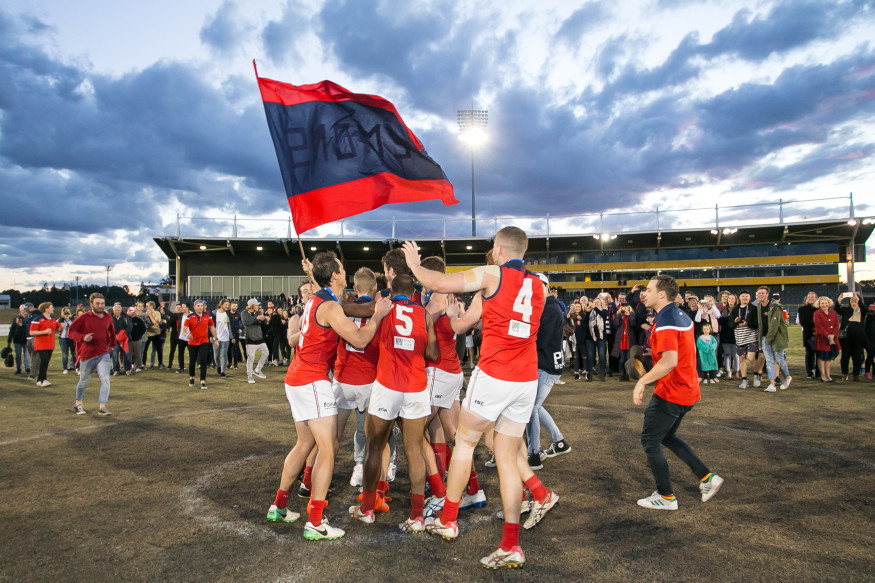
115	117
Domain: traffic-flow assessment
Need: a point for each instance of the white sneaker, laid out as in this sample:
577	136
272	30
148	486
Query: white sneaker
657	502
756	381
743	384
358	514
709	488
786	384
500	559
413	525
275	514
434	506
770	389
322	532
539	509
259	374
65	371
358	474
250	380
476	500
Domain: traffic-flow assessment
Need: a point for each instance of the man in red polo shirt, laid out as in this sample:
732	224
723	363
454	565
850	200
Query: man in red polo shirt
673	344
201	329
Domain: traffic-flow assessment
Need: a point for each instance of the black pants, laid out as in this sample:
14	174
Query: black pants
174	344
198	355
661	422
44	357
234	355
852	350
580	344
870	360
810	356
157	343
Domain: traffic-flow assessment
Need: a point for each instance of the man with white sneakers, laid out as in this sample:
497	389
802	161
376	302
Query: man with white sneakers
673	345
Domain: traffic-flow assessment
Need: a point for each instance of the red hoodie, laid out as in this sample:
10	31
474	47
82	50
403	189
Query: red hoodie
103	330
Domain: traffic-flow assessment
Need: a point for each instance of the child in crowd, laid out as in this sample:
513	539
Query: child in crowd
707	347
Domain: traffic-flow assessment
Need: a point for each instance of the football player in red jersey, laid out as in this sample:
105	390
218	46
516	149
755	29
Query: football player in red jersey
673	344
407	338
503	386
445	380
308	389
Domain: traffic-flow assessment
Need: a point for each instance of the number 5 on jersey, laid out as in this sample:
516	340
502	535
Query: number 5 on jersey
402	315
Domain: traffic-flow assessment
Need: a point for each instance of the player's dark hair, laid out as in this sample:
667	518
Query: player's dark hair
403	285
668	284
434	263
394	258
324	266
765	287
95	296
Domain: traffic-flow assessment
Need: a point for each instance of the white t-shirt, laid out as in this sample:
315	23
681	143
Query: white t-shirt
223	326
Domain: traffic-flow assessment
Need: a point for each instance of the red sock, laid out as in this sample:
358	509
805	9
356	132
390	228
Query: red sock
510	536
369	499
282	498
306	480
539	492
316	508
451	511
437	485
473	484
440	457
383	488
417	501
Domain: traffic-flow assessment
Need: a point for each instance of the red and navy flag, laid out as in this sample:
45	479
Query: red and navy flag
343	153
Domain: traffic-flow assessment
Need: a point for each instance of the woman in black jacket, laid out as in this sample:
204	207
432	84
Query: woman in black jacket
852	332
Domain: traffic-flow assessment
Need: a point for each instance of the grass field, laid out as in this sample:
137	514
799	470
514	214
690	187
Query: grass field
174	487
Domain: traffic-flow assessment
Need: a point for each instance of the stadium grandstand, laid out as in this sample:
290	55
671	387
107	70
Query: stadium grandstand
792	247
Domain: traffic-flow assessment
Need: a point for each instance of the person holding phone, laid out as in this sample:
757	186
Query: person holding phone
852	332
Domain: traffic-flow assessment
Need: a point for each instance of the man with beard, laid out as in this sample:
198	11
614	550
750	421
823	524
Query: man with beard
94	335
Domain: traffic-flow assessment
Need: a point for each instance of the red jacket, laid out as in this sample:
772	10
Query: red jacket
103	330
44	341
824	325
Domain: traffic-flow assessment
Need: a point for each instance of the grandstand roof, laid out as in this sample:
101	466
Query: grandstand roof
470	250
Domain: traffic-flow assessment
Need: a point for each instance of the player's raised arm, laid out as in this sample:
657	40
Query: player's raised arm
467	281
358	337
462	320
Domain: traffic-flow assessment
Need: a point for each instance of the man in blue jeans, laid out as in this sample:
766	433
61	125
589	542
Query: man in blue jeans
673	344
94	335
551	363
772	337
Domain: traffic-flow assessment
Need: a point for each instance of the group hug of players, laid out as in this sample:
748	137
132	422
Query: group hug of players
395	358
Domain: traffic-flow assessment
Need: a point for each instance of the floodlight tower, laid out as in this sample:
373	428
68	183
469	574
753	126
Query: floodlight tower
472	131
108	269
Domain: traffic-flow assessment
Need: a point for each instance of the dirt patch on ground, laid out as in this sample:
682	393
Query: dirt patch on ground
174	487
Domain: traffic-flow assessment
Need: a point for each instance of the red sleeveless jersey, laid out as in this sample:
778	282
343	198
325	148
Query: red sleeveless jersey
317	346
353	365
510	325
448	361
403	337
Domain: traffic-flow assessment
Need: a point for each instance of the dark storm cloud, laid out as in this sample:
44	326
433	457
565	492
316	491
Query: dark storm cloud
222	31
138	141
788	25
